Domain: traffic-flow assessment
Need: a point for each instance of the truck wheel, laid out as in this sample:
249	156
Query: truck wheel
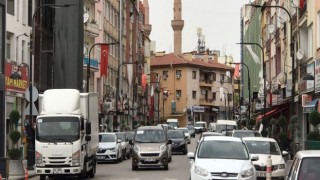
81	176
92	172
42	177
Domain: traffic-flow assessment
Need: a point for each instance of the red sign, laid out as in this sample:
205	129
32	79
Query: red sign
16	77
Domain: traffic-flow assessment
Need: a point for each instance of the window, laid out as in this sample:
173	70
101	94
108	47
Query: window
8	46
99	19
310	41
222	78
22	50
178	93
10	7
214	96
194	94
194	74
165	75
178	74
86	48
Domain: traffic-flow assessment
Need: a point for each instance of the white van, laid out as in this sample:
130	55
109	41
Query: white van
200	126
225	125
212	127
173	122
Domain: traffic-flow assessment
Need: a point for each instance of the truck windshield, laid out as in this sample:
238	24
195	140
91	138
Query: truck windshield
173	124
58	129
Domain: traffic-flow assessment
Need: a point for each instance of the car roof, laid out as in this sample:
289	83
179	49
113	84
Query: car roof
258	139
209	133
201	122
182	128
221	138
112	133
308	153
150	128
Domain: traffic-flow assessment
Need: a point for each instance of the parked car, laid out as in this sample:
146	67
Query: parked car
264	147
150	148
109	148
186	133
192	131
305	165
124	144
245	133
179	141
130	135
222	157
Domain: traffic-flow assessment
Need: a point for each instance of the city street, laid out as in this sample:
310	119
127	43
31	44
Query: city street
178	169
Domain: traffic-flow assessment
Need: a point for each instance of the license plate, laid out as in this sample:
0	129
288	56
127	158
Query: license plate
100	157
150	160
261	174
57	171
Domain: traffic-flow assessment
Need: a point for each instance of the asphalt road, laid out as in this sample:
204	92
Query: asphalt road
179	169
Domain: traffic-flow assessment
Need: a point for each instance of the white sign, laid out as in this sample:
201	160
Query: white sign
197	109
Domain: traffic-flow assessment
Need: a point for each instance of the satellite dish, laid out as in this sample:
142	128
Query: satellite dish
85	17
300	54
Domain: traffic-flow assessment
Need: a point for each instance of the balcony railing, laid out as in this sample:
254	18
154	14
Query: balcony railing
91	29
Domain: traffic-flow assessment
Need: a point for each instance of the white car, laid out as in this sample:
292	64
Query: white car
222	157
186	133
109	148
263	147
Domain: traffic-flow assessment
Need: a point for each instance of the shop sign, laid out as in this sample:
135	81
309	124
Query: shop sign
16	77
306	99
197	108
317	75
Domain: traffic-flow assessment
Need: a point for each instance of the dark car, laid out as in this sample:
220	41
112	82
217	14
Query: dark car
130	135
179	141
192	131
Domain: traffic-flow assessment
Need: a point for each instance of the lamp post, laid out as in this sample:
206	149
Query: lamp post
263	72
291	49
89	62
31	158
227	115
249	89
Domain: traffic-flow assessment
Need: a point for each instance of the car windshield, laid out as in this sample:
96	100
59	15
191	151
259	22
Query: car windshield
199	125
175	134
150	136
309	168
185	130
190	127
263	147
121	136
222	150
242	134
107	138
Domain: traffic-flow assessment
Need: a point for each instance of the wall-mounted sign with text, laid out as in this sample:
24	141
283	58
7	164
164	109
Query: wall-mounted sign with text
16	77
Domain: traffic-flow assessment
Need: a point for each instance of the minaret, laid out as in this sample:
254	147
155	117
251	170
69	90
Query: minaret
177	25
147	27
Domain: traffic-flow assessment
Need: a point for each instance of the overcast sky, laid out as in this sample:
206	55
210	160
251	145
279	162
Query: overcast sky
219	20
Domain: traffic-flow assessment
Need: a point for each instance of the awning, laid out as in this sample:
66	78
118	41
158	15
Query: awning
273	111
311	104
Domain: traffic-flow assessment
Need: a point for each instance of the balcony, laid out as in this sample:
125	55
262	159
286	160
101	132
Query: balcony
91	29
205	83
206	102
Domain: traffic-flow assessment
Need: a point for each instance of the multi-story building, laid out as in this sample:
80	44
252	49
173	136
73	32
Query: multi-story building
17	42
195	87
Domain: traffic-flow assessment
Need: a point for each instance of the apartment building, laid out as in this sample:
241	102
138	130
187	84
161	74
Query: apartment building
194	87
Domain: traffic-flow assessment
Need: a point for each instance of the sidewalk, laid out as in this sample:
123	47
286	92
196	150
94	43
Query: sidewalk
31	173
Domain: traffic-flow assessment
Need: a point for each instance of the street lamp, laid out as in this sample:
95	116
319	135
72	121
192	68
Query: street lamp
263	72
291	48
31	159
249	89
89	62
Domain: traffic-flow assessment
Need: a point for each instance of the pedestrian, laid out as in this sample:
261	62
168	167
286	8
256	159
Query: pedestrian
243	125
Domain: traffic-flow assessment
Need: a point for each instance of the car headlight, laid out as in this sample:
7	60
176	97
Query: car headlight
200	171
163	147
136	148
247	173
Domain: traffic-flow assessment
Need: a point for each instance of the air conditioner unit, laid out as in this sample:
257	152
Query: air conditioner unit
178	76
164	77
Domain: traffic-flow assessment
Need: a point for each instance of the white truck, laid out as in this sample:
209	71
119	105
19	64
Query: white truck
67	134
173	122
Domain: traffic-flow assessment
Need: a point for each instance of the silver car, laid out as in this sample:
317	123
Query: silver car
150	148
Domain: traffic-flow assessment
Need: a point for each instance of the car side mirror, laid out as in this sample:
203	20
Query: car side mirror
190	155
131	142
284	153
118	141
254	158
169	141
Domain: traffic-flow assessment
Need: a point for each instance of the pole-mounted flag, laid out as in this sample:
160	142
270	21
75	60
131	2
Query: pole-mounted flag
104	60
